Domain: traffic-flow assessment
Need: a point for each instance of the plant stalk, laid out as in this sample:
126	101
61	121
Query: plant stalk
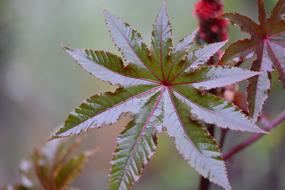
253	138
204	184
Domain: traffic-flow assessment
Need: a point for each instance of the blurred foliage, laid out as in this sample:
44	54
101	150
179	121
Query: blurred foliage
40	84
52	167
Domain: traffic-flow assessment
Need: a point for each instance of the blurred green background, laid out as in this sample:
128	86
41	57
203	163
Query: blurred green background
40	85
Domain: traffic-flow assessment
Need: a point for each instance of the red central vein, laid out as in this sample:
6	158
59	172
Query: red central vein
277	34
141	133
277	64
145	93
181	123
124	75
127	40
160	50
152	110
179	73
170	69
251	48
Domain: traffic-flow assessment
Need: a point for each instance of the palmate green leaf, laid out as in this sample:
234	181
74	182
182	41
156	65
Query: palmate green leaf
164	88
267	42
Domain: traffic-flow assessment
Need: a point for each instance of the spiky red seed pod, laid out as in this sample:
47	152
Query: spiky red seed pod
212	27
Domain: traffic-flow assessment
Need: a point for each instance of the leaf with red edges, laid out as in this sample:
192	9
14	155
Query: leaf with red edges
267	42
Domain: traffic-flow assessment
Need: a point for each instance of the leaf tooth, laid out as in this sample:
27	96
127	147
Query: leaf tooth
227	186
204	54
202	113
255	114
141	169
163	13
197	155
108	67
185	43
217	76
245	23
69	51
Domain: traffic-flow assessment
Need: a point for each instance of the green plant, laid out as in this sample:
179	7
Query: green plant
52	167
166	88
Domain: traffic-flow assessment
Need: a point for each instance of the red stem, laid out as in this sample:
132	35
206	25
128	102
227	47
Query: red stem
271	125
204	184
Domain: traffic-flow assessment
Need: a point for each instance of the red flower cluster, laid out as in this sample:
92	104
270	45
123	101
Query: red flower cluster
212	28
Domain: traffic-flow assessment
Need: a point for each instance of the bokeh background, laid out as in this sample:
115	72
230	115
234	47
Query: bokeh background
40	85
